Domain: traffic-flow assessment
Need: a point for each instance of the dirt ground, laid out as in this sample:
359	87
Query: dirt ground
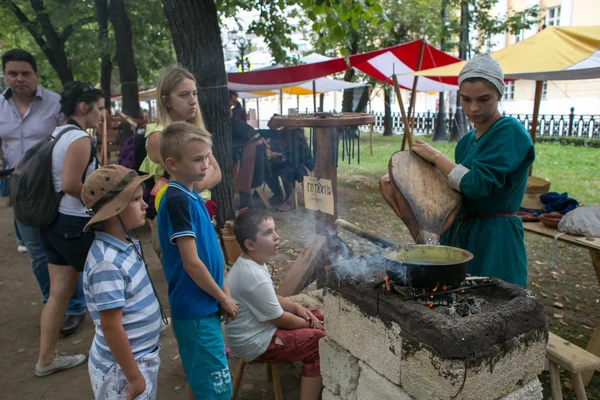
19	331
570	293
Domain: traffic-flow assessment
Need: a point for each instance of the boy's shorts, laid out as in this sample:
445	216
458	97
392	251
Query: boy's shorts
113	384
202	352
298	345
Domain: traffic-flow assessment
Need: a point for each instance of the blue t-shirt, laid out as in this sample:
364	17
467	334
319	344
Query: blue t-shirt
182	213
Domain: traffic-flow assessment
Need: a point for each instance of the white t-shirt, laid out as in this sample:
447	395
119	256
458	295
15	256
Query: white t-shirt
249	335
69	205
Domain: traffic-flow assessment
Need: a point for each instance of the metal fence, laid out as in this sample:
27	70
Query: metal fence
575	125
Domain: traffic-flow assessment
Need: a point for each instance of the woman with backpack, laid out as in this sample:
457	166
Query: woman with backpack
65	243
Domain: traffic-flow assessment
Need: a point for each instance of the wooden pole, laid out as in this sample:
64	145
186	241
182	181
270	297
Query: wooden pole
537	100
257	114
371	139
413	93
407	137
280	101
314	90
104	139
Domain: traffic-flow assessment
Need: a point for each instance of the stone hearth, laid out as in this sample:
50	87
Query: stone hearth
379	346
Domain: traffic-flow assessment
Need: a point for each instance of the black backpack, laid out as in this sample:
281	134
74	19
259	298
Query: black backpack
31	188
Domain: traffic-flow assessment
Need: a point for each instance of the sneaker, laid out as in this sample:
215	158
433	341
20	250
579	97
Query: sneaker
21	249
164	326
60	363
71	323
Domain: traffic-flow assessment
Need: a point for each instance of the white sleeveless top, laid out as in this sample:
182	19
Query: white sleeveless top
69	205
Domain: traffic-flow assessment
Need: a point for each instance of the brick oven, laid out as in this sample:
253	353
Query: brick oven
385	344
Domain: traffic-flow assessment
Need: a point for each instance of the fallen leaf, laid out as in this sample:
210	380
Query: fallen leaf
175	358
580	336
544	295
177	388
34	303
568	385
562	246
21	350
558	315
578	307
563	323
587	327
558	305
535	285
76	341
540	263
576	286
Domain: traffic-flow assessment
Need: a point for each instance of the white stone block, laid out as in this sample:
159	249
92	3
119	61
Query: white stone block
372	385
339	369
425	376
365	337
327	395
531	391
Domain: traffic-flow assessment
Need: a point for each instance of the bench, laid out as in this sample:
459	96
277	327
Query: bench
561	352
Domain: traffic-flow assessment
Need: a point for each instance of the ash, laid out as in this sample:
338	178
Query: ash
465	305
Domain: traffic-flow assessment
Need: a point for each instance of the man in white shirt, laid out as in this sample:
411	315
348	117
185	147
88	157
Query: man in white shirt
28	114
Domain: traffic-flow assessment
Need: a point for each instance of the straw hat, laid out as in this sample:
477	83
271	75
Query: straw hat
108	191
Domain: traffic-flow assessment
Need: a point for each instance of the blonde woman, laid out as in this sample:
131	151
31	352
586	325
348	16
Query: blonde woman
176	99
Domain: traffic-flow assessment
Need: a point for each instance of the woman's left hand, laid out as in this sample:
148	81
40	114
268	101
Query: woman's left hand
424	150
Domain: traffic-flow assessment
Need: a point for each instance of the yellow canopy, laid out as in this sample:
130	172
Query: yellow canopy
556	53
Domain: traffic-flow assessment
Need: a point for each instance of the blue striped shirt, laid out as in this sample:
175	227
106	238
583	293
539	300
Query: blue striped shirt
114	277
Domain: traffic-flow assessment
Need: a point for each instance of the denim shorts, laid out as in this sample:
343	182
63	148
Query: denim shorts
202	352
65	242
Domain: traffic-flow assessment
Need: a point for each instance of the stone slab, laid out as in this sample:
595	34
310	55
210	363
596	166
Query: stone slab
365	337
339	369
372	385
426	376
531	391
328	395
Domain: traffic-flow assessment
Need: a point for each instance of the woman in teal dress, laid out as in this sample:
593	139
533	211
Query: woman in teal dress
491	170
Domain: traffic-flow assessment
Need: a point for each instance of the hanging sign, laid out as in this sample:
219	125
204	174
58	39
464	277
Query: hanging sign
318	194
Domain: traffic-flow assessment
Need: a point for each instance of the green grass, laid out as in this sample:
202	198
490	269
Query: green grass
575	170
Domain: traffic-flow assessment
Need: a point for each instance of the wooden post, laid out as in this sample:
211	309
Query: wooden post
314	90
280	101
298	103
407	137
413	93
536	111
371	139
257	114
104	139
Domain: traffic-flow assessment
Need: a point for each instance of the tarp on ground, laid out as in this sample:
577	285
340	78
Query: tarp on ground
556	53
284	77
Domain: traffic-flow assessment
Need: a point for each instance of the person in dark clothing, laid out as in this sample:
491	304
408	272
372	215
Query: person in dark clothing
249	150
238	112
289	158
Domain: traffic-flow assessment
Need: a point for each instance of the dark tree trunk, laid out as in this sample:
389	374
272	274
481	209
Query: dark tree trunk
47	38
459	125
440	134
105	60
197	41
387	114
124	57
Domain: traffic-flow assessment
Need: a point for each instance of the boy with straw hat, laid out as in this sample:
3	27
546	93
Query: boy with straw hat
124	361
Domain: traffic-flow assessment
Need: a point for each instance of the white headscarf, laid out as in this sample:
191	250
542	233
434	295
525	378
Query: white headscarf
483	66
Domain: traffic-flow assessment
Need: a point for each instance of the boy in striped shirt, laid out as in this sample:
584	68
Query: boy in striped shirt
123	361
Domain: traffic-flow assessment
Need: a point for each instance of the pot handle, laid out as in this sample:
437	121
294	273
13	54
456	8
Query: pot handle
358	231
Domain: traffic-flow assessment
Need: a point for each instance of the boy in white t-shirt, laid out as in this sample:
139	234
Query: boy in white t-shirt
270	328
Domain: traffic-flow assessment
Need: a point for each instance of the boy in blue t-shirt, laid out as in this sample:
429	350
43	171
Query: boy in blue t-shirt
193	263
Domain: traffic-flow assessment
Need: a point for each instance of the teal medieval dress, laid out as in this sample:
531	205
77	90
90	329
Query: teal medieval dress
492	176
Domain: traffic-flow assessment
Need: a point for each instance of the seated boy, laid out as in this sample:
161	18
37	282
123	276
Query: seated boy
270	328
124	359
193	263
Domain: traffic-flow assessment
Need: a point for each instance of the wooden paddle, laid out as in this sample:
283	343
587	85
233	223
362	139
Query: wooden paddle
429	203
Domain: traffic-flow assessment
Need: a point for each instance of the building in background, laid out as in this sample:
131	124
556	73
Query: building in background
558	97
